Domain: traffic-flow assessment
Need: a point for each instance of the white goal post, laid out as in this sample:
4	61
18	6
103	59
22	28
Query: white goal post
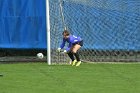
48	33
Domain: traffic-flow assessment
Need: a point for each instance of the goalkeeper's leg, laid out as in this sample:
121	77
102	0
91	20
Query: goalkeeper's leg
76	54
77	58
70	54
75	49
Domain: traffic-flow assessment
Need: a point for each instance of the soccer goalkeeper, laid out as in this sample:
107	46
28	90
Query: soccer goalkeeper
75	43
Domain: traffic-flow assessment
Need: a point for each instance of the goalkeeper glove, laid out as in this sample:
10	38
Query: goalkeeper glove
64	51
59	50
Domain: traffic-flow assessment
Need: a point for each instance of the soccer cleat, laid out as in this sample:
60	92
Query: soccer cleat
73	62
78	63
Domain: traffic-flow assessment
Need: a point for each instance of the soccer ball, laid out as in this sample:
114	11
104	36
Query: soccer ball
40	55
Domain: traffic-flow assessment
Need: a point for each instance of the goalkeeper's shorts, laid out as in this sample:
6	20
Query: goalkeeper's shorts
79	43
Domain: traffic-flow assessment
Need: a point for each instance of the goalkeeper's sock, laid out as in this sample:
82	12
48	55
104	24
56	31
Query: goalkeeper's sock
70	54
77	56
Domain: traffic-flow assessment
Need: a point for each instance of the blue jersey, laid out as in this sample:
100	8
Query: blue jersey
71	40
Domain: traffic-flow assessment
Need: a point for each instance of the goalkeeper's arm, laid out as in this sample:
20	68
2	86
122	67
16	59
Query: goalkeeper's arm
62	45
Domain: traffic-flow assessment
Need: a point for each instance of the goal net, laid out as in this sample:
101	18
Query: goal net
109	28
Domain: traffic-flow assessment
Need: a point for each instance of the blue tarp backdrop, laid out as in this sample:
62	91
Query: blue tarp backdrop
114	24
22	24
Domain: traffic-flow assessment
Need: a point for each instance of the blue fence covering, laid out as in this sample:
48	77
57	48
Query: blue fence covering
22	24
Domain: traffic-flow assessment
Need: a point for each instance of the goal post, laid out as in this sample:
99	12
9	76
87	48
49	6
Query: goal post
48	33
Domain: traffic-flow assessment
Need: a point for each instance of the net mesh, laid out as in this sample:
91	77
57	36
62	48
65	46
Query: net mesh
110	28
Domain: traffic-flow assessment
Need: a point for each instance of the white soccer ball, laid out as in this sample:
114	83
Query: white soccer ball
40	55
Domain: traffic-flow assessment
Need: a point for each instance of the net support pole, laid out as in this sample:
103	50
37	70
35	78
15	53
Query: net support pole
62	15
48	33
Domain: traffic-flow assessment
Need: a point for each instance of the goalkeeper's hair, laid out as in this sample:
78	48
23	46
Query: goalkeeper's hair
66	32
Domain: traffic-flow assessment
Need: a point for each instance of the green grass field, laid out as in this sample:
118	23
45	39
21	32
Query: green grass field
88	78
